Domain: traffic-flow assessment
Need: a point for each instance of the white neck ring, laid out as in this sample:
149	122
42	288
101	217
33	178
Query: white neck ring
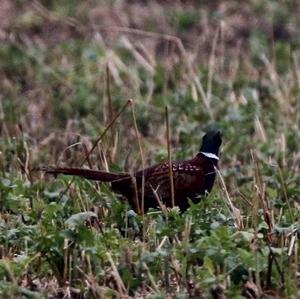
210	155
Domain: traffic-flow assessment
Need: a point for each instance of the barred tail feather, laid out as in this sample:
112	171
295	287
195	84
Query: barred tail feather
89	174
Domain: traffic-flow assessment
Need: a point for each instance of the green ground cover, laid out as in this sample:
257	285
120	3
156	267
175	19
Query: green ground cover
67	67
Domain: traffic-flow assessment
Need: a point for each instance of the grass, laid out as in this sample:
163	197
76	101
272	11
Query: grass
64	76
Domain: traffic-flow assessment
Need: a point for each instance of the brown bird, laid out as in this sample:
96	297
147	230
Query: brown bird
192	178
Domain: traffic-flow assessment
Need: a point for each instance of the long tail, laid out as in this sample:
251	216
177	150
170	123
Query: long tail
95	175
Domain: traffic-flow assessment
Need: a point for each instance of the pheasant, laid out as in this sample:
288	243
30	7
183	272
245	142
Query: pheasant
192	179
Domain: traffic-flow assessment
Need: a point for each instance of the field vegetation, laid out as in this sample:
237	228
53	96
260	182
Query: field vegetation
67	68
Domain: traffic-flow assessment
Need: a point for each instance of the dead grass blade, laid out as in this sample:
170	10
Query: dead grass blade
236	213
110	115
184	55
96	143
136	195
120	284
170	158
141	153
160	203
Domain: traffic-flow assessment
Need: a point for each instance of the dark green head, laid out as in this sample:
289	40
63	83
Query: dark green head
211	142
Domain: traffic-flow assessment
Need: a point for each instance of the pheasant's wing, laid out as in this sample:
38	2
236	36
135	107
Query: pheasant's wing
189	178
189	182
154	176
185	175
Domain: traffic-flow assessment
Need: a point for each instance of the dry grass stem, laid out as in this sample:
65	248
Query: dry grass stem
118	279
170	164
141	153
160	203
236	213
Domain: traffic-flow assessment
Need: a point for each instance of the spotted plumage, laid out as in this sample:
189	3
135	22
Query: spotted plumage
192	178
